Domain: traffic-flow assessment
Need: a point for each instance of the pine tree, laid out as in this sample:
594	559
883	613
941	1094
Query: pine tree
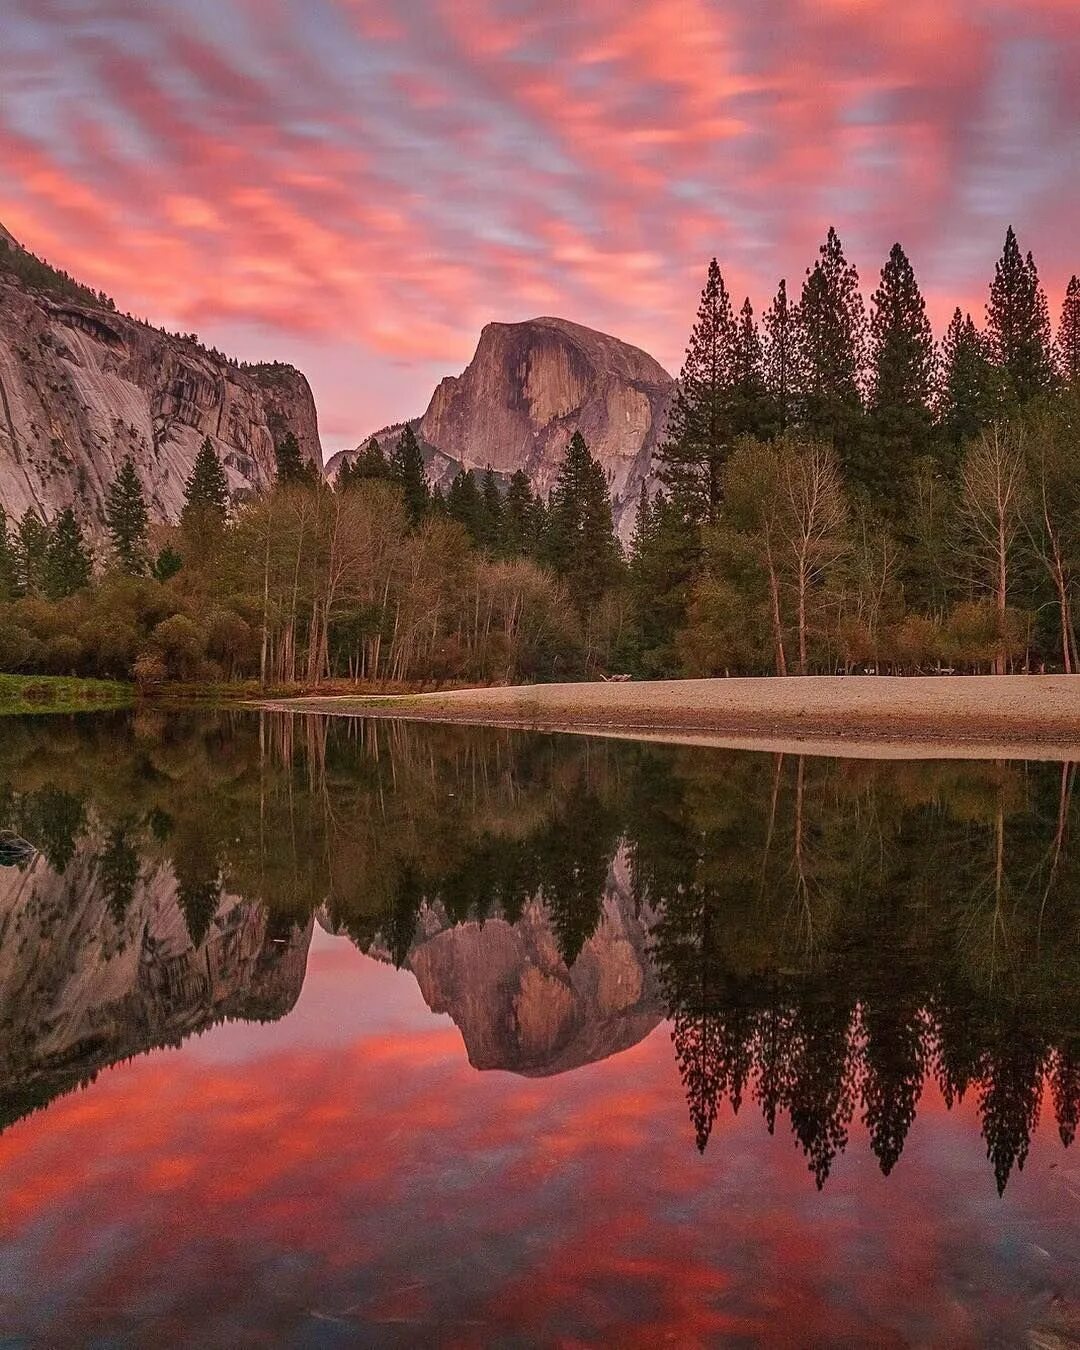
206	498
7	559
407	471
128	520
580	544
491	499
901	380
465	505
749	397
518	534
31	554
700	430
371	462
1068	335
643	524
831	341
67	562
291	466
969	388
344	478
780	358
1018	323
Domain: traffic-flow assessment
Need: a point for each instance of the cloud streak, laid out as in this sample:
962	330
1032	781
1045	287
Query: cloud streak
350	175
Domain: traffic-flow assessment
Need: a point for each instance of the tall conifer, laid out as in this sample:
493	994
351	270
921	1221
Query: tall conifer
831	344
31	550
969	396
1018	323
780	357
128	520
580	543
407	471
206	497
518	533
371	462
1068	335
700	430
749	398
67	561
7	558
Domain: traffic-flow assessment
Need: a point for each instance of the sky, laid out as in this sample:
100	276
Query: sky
358	186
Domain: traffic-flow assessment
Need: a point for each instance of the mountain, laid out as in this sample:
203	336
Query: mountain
528	388
518	1005
82	386
82	986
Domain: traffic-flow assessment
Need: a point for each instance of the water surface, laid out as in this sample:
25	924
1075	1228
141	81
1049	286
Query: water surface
329	1033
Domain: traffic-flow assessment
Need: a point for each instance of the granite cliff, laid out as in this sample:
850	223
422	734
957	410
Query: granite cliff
82	386
528	388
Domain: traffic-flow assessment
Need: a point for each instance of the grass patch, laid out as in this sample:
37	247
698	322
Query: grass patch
61	694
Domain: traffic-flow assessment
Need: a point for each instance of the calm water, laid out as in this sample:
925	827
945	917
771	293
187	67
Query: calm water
332	1033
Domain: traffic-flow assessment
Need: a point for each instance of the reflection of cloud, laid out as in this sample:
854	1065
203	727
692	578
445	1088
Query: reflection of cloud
387	1180
392	177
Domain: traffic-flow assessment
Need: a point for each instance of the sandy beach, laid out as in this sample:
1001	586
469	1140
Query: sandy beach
1020	716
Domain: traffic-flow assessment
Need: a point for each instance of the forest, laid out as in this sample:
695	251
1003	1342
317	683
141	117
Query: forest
835	492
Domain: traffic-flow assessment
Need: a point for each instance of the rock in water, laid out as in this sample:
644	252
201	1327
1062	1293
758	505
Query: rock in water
81	387
529	387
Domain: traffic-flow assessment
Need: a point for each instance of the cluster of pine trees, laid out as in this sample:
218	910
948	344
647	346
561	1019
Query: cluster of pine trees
838	492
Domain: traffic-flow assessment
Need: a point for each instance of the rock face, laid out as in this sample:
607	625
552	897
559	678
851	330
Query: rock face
519	1006
529	387
81	387
81	988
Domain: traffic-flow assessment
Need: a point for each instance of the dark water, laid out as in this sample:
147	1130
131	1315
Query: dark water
331	1033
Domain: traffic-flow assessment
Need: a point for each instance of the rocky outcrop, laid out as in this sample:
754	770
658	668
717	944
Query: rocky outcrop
81	987
81	387
516	1002
529	387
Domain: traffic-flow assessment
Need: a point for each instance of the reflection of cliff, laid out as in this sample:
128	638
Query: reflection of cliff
517	1003
81	988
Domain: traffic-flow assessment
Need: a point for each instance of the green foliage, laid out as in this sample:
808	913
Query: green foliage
128	520
407	473
33	272
31	554
1018	323
292	468
971	393
701	428
579	543
831	344
67	560
1068	334
206	500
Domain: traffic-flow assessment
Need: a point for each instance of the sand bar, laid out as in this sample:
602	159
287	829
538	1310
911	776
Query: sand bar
978	716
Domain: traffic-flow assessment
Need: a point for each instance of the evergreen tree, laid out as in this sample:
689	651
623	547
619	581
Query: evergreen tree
7	559
901	379
31	554
749	397
67	561
465	505
665	556
518	529
371	462
831	341
580	544
1018	323
643	523
780	358
291	466
491	499
407	471
128	520
700	430
167	563
345	477
437	504
1068	335
206	498
969	390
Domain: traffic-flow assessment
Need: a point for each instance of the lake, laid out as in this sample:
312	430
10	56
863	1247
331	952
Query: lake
336	1032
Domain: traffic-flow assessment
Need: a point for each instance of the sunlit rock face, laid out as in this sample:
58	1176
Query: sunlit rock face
81	388
82	986
517	1003
529	387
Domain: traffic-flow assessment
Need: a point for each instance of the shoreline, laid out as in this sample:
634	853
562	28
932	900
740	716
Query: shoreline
865	716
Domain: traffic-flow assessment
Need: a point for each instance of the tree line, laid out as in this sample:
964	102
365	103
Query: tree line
835	492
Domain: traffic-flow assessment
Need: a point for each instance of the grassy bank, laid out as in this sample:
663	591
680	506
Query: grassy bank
61	694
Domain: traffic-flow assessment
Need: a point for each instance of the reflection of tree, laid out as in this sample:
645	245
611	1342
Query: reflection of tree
825	934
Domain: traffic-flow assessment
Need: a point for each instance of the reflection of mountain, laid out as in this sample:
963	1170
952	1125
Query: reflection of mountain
81	988
517	1003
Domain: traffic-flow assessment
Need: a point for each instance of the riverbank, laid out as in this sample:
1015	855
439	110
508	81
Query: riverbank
22	694
1029	716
